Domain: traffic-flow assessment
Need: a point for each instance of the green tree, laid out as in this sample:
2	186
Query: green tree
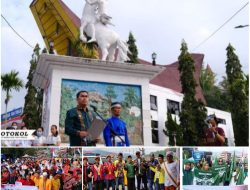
110	94
34	97
173	131
207	79
239	97
189	108
10	81
86	50
133	51
216	95
130	97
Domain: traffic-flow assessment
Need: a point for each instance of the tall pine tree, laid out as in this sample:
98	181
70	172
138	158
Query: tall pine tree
238	98
173	131
192	112
34	97
133	52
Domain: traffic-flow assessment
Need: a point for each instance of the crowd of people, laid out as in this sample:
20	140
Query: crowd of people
40	139
218	172
42	173
132	174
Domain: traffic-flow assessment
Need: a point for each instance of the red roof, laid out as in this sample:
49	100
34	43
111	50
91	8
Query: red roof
72	15
170	77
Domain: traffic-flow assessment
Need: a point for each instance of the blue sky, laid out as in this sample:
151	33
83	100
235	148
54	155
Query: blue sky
158	26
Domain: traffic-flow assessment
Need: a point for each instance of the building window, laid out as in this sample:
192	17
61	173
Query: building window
153	102
155	134
222	121
173	107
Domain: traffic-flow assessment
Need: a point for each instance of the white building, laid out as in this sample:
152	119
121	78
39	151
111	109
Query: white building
164	100
156	99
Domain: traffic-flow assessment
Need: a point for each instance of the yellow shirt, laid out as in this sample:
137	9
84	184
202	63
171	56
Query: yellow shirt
36	181
46	185
55	184
124	171
158	174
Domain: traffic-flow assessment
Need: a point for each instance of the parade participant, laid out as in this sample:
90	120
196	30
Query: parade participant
13	174
159	175
205	167
55	182
109	169
36	178
171	169
151	175
220	167
69	181
66	168
45	183
40	139
214	135
28	181
115	129
130	167
78	121
205	176
54	139
87	174
144	168
20	179
120	173
98	172
138	162
5	174
188	175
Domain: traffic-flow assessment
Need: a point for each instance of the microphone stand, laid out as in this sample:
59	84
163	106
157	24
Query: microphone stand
113	133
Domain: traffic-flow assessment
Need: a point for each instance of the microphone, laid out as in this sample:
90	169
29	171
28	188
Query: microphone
93	107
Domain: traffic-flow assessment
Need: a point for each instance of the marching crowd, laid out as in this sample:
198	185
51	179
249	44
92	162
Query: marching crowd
131	174
43	173
218	172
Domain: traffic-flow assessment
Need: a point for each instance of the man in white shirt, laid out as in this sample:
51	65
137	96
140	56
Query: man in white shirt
172	174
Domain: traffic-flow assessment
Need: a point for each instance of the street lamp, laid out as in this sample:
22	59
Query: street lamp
241	26
154	55
51	47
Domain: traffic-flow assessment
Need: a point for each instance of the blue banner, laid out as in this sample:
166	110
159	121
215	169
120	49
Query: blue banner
12	114
197	155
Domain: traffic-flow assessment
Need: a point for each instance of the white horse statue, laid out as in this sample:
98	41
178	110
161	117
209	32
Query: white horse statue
94	23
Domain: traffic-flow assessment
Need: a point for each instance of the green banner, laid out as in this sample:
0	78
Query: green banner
206	178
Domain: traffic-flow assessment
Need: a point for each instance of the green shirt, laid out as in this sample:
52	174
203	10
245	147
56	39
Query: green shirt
130	169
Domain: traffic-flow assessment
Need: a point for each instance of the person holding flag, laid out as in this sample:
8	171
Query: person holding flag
188	174
220	167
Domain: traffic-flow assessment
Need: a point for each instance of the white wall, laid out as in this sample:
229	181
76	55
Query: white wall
60	73
161	114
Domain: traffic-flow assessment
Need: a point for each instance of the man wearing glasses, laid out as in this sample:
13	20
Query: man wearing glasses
78	121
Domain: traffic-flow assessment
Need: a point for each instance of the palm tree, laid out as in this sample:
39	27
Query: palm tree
10	81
